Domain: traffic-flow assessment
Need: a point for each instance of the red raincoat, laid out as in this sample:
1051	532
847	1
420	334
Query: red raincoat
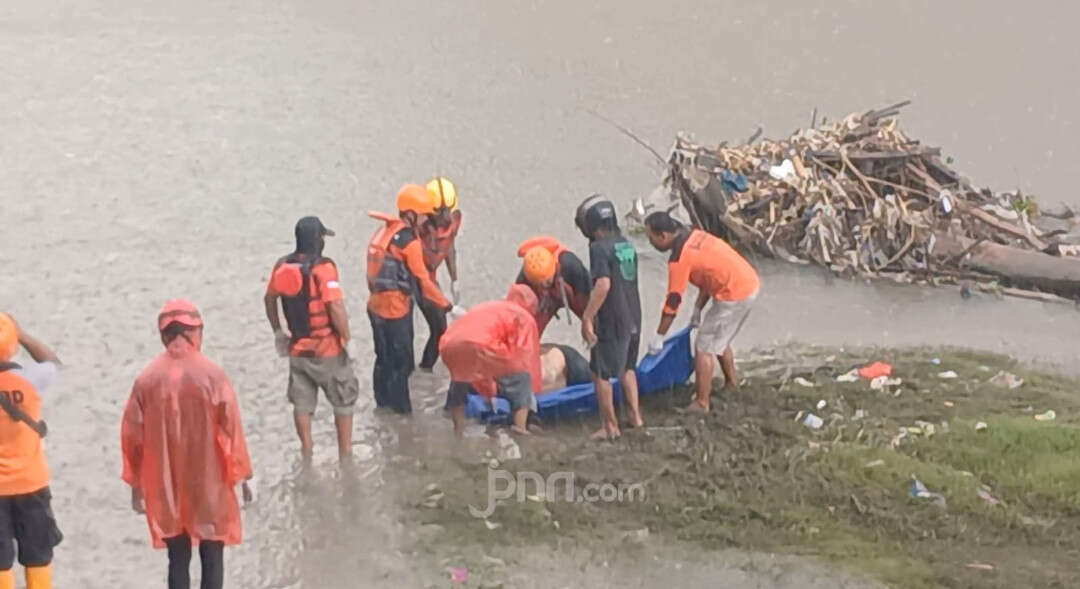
494	339
184	448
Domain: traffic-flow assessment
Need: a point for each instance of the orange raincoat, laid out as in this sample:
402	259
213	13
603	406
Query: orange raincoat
184	448
494	339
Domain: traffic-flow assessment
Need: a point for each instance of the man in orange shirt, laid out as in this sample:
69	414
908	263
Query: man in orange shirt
721	274
306	283
397	276
26	517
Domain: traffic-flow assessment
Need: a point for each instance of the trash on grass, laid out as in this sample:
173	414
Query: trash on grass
458	575
935	361
981	566
813	421
948	375
821	404
919	491
492	525
873	463
980	426
803	382
1048	416
1006	380
926	428
984	493
949	404
872	371
849	376
883	382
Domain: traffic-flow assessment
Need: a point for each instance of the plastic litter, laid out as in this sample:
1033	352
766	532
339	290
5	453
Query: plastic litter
919	491
948	375
980	426
458	575
1007	380
981	566
803	382
984	493
949	404
849	376
883	382
926	428
872	371
821	404
783	171
813	421
874	463
1048	416
935	361
859	414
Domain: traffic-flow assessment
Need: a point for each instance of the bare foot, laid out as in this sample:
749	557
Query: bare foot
695	407
599	435
519	431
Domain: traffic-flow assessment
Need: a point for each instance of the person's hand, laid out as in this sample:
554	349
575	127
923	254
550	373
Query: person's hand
695	318
247	490
656	345
455	292
282	342
455	313
587	332
351	350
137	503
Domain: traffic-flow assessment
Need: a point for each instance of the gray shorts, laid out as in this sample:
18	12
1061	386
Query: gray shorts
515	388
333	375
721	323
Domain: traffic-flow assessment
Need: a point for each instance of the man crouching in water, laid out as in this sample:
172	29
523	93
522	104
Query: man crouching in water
494	348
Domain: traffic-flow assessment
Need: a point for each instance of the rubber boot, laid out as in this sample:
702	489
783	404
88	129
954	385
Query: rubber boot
7	579
39	577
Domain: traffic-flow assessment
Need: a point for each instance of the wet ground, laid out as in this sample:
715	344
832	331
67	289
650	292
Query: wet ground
151	152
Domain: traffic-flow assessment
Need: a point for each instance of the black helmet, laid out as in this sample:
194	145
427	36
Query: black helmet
592	213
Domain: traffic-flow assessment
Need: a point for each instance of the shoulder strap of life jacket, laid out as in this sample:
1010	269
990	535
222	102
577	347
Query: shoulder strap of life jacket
14	412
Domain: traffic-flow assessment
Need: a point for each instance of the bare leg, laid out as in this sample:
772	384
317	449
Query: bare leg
343	423
630	393
521	421
704	368
727	364
457	413
605	398
303	431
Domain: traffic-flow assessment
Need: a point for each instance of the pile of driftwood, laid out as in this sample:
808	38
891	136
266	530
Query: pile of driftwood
860	197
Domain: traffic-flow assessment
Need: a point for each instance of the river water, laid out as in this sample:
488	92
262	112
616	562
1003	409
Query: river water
153	151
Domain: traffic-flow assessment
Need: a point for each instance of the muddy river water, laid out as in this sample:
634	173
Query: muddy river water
151	152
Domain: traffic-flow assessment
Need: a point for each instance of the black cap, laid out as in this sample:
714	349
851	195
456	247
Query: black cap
311	227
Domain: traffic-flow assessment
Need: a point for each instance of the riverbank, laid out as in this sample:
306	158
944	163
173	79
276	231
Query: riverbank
753	478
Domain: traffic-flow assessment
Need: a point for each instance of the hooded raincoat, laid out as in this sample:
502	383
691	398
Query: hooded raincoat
183	447
494	339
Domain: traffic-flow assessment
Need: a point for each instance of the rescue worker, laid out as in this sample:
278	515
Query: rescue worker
721	275
557	276
396	274
184	450
494	348
26	517
438	235
306	283
611	323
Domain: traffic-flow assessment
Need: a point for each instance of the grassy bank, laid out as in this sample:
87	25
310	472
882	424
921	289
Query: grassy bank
753	477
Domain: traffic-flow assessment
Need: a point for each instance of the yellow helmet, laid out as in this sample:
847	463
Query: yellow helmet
445	193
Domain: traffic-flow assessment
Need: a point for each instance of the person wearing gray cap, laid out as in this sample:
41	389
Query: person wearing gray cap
318	341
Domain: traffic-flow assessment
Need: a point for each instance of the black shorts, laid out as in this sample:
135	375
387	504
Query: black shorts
613	358
515	387
577	367
27	520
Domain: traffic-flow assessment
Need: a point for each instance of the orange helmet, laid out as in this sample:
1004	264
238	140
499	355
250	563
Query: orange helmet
539	265
9	338
415	198
179	311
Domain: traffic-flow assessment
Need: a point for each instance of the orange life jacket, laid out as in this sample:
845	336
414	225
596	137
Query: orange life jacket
437	242
386	271
305	314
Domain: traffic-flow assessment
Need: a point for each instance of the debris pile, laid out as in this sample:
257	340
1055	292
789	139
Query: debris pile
860	197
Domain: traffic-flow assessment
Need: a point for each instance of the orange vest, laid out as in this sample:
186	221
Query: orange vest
22	458
437	243
386	271
559	294
306	314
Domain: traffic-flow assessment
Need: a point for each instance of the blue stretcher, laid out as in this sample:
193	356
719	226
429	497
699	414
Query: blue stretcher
671	367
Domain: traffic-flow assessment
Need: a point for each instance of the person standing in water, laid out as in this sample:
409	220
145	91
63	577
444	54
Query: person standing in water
26	516
396	274
721	275
438	236
184	450
306	283
611	323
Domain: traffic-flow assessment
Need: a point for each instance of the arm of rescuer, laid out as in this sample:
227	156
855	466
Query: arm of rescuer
599	293
413	253
36	348
678	277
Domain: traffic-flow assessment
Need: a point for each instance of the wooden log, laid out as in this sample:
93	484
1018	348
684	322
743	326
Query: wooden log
1022	268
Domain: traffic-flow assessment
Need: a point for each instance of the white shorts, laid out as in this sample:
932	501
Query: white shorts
721	323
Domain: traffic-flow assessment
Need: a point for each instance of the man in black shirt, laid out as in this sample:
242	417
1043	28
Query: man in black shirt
611	323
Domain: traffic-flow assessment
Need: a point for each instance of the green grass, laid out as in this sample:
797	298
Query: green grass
751	477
